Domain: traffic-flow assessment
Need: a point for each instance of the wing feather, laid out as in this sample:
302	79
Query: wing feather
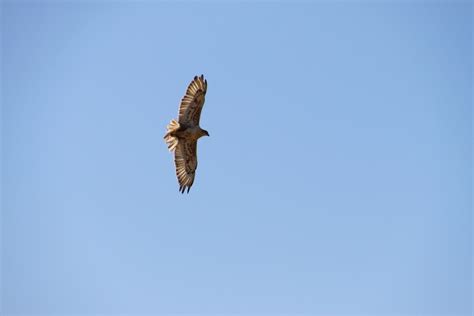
185	159
191	105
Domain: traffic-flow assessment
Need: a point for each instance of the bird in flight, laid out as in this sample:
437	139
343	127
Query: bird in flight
182	135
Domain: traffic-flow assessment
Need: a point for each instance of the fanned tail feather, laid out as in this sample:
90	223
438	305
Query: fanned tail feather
171	141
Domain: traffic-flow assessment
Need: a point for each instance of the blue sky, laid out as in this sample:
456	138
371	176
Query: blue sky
337	178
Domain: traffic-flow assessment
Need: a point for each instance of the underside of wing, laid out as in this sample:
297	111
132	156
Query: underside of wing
185	159
192	103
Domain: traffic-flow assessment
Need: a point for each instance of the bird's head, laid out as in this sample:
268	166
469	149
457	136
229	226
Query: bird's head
202	132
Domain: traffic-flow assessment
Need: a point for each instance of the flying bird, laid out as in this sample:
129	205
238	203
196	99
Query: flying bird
182	135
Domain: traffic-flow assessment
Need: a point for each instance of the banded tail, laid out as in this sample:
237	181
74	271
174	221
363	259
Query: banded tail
171	141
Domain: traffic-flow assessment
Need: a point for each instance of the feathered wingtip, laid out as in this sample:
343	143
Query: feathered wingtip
183	188
171	141
198	83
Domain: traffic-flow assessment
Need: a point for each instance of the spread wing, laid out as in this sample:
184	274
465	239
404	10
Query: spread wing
191	104
185	159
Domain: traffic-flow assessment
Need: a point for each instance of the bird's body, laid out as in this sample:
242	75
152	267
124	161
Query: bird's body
182	135
190	133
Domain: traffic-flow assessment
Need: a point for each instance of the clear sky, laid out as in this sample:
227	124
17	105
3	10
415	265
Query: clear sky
336	180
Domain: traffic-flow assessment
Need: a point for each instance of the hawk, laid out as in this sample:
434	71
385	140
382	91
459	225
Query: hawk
182	135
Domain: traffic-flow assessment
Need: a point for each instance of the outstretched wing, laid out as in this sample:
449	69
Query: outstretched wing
185	159
191	104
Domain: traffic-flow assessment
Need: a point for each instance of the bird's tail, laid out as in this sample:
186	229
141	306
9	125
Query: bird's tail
171	141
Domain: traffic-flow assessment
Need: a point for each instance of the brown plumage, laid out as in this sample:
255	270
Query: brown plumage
182	135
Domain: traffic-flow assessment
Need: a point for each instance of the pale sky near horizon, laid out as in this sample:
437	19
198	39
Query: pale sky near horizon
336	178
